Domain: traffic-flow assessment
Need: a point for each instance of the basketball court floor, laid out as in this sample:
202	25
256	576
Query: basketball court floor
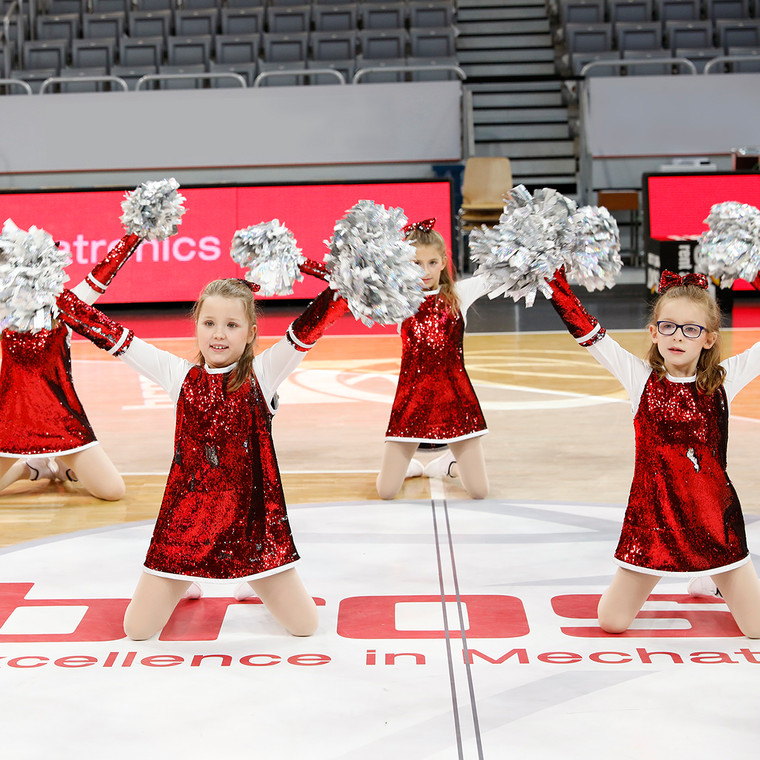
450	628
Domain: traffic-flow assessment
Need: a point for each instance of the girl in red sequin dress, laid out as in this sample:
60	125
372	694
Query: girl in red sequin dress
683	515
223	514
45	431
435	402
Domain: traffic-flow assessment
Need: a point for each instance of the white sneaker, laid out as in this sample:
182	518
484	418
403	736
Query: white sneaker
42	468
194	591
414	469
243	591
440	467
703	585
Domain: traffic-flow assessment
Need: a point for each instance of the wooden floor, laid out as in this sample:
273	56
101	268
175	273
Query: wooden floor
560	427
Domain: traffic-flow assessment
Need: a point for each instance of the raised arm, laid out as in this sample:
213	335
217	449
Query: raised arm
161	367
97	281
276	363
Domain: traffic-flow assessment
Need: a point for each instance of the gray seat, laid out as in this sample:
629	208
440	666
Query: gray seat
380	76
735	9
289	19
194	21
382	15
189	83
588	38
630	10
579	60
582	11
347	67
108	25
283	77
698	56
433	42
86	53
33	77
237	48
203	5
327	46
131	74
633	36
642	68
87	85
246	70
59	7
45	54
150	23
241	20
58	27
677	10
689	34
334	18
284	48
109	6
143	51
154	5
733	33
189	51
434	13
377	44
750	66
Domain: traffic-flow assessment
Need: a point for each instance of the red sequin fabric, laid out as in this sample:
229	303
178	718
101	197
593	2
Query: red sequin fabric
39	408
435	401
223	513
683	513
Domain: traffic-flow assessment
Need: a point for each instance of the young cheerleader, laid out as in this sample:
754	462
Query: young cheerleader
683	515
435	402
223	513
45	431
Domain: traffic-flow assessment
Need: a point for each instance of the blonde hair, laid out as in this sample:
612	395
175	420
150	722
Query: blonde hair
710	373
232	288
434	239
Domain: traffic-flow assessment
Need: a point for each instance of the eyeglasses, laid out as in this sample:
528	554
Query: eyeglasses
692	332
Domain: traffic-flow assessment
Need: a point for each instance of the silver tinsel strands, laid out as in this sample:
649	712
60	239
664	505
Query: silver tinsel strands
270	254
595	259
533	238
153	210
372	266
730	248
31	276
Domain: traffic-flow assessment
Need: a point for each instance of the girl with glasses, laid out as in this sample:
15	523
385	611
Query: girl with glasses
683	515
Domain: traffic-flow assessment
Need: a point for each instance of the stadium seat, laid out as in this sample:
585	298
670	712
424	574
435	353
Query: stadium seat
326	46
689	34
107	25
677	10
633	36
430	13
630	10
189	51
241	20
282	48
334	18
194	21
45	54
382	15
189	83
579	60
58	27
86	53
433	42
237	48
582	11
144	51
150	24
588	38
289	19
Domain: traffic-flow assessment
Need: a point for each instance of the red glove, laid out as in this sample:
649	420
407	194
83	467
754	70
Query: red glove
93	324
582	326
322	312
105	270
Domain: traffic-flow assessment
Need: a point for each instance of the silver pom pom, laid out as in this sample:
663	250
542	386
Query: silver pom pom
372	266
153	210
730	248
595	259
269	252
31	276
533	238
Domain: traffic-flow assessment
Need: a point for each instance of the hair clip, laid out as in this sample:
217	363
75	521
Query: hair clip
254	286
670	280
424	226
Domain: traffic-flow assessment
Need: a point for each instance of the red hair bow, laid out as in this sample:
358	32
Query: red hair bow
254	286
425	226
670	280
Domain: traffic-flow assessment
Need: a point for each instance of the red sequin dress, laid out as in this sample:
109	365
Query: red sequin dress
435	401
683	514
40	411
223	515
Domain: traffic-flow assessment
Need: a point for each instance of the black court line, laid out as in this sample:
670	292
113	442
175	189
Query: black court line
462	627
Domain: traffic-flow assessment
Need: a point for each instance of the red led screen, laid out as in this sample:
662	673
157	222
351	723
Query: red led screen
679	204
87	222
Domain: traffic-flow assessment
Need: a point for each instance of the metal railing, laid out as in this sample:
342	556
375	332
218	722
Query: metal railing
200	75
625	63
50	81
715	62
361	73
298	72
18	83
